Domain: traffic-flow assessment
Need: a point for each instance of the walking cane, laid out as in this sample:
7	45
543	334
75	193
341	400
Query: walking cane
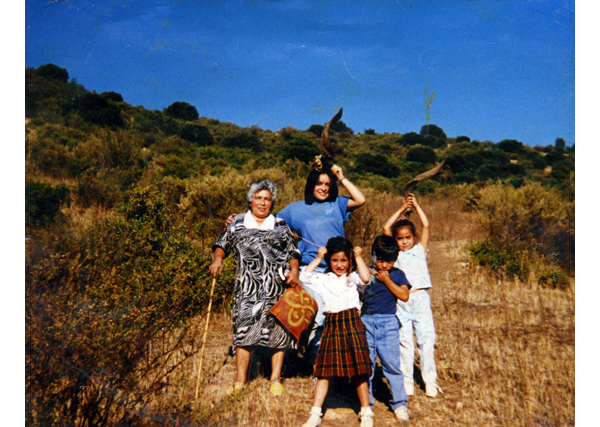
210	298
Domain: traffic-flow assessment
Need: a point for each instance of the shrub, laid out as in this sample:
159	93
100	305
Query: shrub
411	138
43	201
300	148
243	139
51	71
377	164
543	220
182	110
113	96
196	134
511	146
95	305
503	257
553	277
463	138
424	155
96	109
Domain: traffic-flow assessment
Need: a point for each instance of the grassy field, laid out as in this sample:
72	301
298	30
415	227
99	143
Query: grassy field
505	355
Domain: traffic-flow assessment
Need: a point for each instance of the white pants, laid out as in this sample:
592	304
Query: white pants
415	315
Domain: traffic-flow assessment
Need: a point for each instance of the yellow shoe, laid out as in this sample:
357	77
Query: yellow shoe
276	388
235	389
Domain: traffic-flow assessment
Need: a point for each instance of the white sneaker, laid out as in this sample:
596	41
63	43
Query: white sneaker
402	413
366	417
409	388
431	389
314	420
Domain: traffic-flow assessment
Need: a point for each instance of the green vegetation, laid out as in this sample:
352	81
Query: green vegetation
123	205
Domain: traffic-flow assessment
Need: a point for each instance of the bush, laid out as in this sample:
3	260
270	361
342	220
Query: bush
553	277
424	155
43	202
196	134
182	110
300	148
51	71
377	164
243	139
511	146
411	138
96	109
113	96
463	138
503	257
96	304
541	219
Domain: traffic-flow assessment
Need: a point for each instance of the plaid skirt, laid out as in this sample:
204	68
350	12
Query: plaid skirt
344	351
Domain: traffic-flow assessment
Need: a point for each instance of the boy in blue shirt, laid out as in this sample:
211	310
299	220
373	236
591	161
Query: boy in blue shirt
378	313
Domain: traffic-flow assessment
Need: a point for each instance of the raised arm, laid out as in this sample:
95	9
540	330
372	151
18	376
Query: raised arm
424	222
361	267
357	198
387	228
315	262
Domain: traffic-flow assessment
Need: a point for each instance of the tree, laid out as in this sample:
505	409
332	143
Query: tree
511	146
559	145
411	138
182	110
316	130
196	133
434	130
51	71
113	96
377	164
96	109
421	155
463	138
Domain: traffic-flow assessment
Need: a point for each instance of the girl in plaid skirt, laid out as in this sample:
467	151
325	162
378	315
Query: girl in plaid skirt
344	351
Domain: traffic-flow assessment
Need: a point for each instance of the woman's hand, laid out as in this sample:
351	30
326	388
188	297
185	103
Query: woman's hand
216	268
292	278
337	171
229	220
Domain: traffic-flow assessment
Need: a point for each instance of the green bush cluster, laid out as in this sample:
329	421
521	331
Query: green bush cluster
503	257
43	202
93	303
553	277
541	221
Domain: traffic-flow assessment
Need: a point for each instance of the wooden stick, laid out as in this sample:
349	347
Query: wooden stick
210	298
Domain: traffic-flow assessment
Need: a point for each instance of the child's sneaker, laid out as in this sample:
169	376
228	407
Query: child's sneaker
314	420
409	388
276	388
431	389
401	413
366	417
234	389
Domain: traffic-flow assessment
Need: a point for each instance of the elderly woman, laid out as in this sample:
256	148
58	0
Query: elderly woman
261	245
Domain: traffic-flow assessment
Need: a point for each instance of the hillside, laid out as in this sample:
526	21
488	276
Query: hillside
123	205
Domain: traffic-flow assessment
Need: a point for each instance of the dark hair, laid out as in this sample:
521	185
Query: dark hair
313	180
339	244
403	223
385	248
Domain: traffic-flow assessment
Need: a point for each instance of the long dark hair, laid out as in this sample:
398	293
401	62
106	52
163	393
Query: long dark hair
313	180
340	244
404	223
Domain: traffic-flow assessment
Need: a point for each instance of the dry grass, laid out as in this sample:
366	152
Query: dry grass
505	353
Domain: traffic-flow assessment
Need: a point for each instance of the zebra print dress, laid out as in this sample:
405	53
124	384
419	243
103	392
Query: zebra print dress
258	254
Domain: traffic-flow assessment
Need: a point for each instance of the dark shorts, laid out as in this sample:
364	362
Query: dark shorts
344	351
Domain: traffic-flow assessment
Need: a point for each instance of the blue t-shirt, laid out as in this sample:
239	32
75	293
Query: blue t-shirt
316	223
377	297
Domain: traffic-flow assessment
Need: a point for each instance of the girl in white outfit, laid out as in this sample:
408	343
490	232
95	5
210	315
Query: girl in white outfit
415	314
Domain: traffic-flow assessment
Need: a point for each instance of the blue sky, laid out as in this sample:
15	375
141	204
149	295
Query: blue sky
487	69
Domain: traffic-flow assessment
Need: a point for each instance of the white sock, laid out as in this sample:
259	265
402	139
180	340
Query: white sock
316	410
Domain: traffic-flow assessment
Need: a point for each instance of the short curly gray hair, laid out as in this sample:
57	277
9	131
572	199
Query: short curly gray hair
265	184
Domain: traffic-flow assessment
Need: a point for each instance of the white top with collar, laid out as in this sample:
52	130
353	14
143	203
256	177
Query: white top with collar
250	222
338	293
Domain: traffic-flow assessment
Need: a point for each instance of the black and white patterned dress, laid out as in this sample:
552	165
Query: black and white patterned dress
258	254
